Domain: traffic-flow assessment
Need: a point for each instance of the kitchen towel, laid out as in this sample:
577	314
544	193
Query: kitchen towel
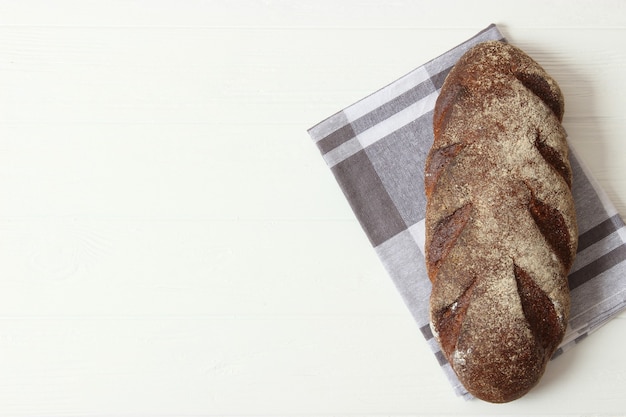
376	149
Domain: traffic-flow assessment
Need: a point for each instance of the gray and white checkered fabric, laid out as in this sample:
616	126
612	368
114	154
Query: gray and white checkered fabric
376	149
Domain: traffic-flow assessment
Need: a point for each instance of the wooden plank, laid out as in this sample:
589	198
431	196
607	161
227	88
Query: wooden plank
171	242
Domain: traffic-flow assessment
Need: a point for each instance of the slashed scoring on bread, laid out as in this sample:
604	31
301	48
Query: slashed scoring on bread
501	230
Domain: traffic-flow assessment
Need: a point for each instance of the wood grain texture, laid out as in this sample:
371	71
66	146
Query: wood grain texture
165	220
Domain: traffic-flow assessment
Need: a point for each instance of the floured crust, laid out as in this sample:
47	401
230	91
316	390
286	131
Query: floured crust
501	231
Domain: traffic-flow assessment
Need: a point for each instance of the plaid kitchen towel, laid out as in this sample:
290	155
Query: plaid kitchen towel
376	149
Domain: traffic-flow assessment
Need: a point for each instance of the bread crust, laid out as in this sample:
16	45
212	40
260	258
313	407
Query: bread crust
501	231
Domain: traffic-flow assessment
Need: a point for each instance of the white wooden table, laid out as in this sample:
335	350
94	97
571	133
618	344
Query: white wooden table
171	242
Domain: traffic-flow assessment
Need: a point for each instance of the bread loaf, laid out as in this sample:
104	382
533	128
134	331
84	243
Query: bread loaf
501	231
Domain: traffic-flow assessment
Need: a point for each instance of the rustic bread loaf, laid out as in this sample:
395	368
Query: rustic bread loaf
501	231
